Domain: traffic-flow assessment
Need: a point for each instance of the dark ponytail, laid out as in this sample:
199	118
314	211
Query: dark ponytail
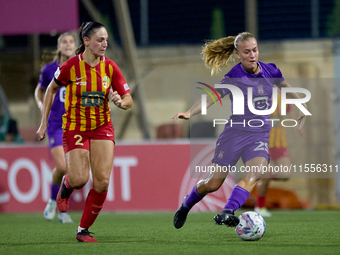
86	30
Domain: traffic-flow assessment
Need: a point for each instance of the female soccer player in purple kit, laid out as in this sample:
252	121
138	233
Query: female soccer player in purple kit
65	50
249	143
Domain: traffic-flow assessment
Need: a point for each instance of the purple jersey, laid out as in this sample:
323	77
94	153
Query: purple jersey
262	88
57	109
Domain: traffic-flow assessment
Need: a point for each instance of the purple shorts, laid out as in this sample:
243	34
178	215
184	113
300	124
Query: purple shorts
235	143
55	137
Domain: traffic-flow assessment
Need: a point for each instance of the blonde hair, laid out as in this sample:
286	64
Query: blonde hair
57	55
216	53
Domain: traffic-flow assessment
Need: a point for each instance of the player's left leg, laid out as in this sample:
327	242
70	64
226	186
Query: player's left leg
78	165
255	157
101	158
240	192
202	188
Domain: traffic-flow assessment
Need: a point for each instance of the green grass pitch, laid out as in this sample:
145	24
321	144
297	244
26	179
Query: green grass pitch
288	232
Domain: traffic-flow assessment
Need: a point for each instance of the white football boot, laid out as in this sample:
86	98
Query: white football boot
263	212
64	218
49	211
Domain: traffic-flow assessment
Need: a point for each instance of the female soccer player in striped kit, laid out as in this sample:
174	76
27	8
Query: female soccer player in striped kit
249	143
66	47
88	137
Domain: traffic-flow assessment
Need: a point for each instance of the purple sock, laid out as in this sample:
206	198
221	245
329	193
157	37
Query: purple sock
237	198
54	191
192	199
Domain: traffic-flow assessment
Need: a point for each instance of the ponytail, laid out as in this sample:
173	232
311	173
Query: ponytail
86	30
80	49
57	55
216	53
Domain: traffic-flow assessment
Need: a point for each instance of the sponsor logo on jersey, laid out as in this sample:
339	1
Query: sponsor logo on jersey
126	87
92	98
220	155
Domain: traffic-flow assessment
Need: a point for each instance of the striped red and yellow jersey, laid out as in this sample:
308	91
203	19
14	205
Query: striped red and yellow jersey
277	137
87	92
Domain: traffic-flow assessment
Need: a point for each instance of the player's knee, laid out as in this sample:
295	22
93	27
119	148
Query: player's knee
101	185
61	169
248	182
213	185
77	182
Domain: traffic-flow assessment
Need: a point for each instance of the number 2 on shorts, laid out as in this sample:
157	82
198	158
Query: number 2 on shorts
78	142
262	147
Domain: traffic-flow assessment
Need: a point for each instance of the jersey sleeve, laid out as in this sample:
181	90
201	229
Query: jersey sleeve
43	79
224	92
277	75
118	81
62	75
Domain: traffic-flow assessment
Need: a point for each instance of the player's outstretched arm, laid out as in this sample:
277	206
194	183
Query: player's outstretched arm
39	95
301	120
293	116
46	108
195	109
302	117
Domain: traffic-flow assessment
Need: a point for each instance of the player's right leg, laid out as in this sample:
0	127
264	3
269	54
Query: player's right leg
78	165
240	193
203	187
76	146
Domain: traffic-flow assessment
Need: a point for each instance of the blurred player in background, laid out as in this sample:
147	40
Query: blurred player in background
88	137
249	143
279	156
65	50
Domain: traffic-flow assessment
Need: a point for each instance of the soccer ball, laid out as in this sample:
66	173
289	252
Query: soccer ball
251	227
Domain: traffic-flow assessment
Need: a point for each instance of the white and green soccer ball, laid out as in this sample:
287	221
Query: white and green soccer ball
251	227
